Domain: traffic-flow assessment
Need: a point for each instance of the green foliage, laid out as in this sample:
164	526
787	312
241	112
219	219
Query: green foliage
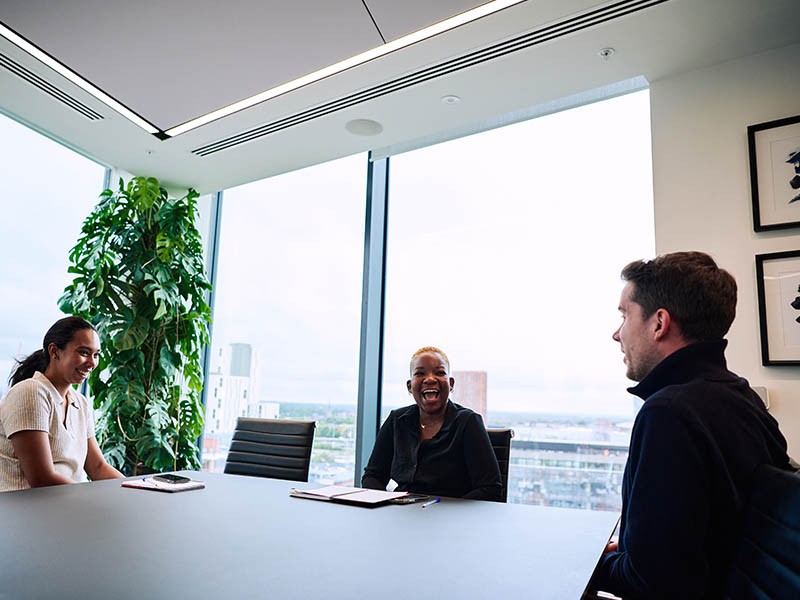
139	277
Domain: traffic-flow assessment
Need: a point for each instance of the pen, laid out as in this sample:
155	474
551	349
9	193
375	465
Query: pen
430	502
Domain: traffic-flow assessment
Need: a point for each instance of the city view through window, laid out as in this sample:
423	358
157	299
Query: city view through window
285	341
504	249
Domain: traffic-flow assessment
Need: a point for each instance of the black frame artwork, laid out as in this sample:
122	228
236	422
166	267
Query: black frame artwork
778	281
774	149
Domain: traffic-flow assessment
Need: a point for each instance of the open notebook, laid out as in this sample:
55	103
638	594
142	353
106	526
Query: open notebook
348	495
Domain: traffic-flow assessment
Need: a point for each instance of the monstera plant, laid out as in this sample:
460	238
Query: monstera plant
140	278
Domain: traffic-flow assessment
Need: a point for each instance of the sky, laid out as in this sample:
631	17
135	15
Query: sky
46	191
504	249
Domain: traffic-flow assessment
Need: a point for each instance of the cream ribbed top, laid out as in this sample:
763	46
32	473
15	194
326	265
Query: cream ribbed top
34	404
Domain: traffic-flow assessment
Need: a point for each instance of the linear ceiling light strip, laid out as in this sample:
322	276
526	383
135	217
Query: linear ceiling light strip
407	40
65	72
500	49
46	87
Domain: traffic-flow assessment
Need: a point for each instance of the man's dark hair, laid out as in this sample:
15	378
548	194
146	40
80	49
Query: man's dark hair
698	295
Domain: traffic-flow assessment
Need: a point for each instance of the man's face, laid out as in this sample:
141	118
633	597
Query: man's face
636	337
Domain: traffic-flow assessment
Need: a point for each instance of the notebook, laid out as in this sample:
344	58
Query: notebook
348	495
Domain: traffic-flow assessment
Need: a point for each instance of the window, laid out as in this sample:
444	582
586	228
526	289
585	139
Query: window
47	190
504	249
288	308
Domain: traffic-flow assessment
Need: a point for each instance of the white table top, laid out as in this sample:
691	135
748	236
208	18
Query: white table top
244	537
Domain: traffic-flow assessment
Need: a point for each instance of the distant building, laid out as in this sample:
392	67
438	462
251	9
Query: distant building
231	382
470	390
265	410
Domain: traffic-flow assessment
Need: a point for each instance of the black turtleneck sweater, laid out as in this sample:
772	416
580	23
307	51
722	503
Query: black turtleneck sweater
694	446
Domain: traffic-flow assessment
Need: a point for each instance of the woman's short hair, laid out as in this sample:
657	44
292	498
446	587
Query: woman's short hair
430	350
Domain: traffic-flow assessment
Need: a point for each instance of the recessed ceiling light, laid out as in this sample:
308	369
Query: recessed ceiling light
450	99
366	127
606	53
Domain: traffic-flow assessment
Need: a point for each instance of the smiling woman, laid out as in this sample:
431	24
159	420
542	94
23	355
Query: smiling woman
46	427
434	446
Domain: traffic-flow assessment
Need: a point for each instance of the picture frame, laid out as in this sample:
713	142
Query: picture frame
774	149
778	282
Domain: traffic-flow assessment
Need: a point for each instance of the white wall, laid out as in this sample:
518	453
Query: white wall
702	192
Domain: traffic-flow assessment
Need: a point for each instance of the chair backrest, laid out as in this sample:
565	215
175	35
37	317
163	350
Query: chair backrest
271	448
501	444
768	562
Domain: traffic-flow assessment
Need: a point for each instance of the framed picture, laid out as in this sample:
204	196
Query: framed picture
775	173
778	280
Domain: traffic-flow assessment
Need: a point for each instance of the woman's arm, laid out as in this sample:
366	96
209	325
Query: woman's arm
481	461
32	448
96	466
377	472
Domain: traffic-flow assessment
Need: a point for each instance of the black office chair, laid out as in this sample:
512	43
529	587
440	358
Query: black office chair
501	444
768	563
271	448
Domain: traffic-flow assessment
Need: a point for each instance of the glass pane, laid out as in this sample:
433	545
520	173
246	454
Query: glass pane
47	191
504	250
287	311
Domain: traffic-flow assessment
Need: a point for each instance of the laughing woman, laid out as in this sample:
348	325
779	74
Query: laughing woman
46	427
434	446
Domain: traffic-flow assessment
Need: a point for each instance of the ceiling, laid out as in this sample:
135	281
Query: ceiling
171	62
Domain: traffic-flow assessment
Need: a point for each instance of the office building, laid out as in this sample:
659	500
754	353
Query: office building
471	390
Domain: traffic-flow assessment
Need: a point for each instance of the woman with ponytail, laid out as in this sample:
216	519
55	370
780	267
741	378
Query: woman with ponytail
46	426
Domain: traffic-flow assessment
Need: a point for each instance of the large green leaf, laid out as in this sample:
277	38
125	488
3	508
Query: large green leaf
138	267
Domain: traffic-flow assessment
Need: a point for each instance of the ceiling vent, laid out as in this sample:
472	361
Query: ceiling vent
547	33
32	78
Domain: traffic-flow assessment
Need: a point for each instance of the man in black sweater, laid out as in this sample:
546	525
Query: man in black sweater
696	441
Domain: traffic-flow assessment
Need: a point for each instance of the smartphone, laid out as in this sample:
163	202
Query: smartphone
169	478
411	499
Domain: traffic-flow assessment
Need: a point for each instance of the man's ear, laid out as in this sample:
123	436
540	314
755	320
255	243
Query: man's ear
408	385
452	384
663	324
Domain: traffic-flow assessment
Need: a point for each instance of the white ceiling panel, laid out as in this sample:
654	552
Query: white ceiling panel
396	19
172	61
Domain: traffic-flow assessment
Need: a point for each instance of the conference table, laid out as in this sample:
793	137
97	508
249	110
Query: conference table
245	537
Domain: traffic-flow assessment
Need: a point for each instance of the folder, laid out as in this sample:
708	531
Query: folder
348	495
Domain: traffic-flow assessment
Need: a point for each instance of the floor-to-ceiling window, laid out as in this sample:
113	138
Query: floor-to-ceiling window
287	310
47	191
504	249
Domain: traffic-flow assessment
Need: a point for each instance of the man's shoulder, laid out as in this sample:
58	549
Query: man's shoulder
708	386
